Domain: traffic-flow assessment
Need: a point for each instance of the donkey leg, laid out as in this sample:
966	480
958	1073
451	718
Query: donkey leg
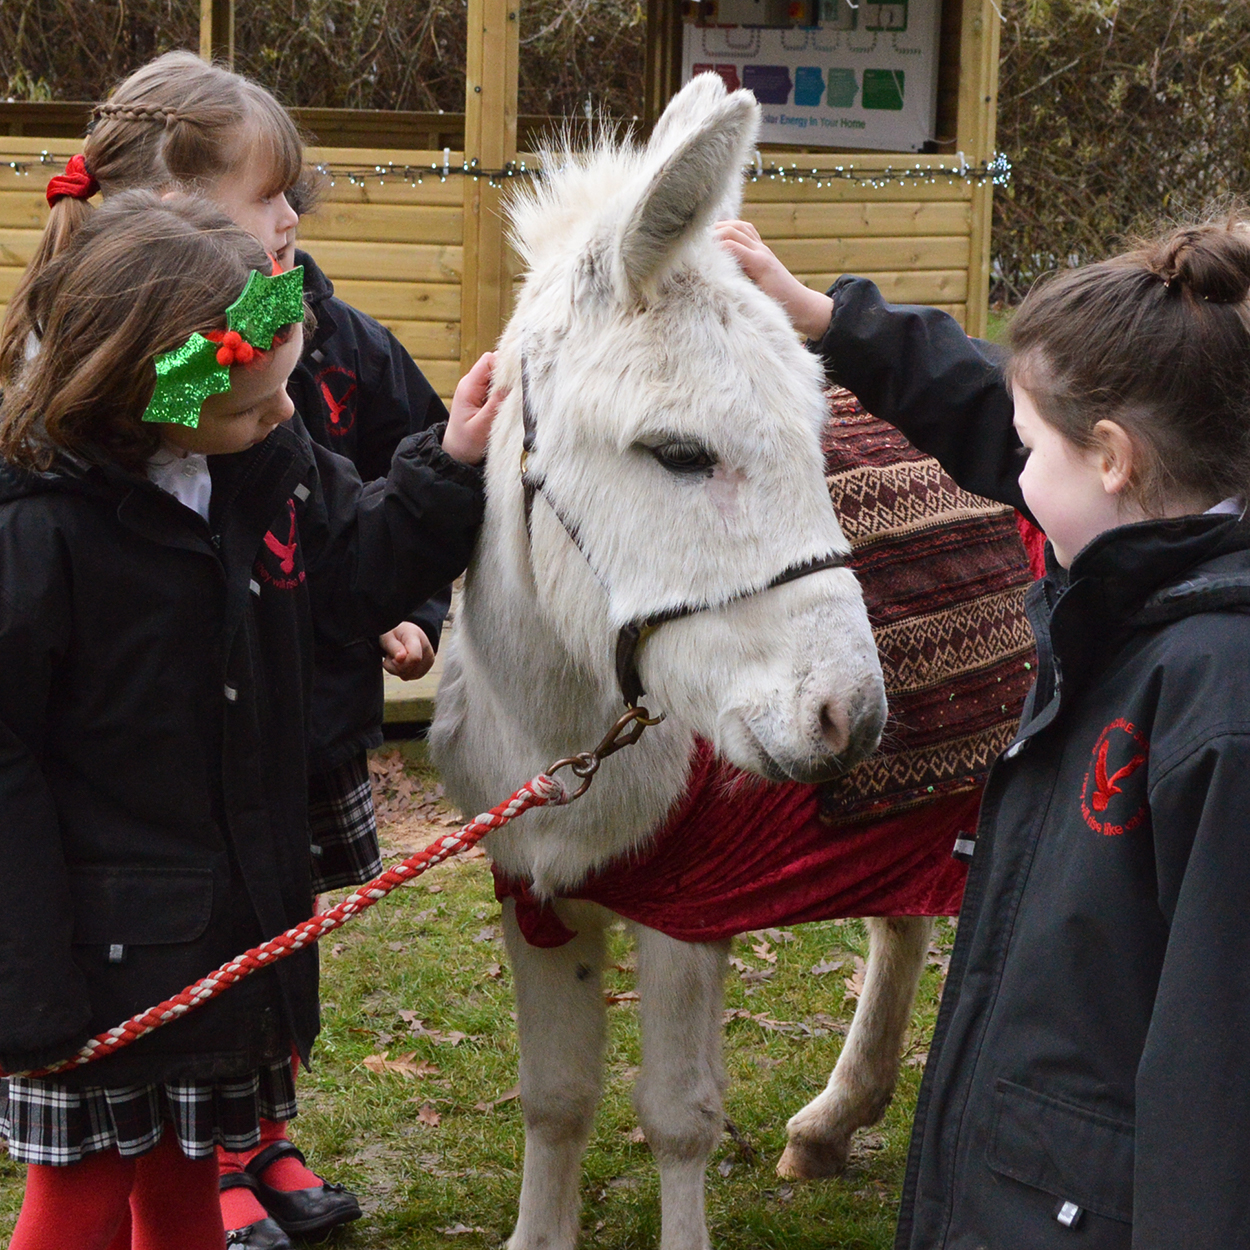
678	1096
863	1080
560	1025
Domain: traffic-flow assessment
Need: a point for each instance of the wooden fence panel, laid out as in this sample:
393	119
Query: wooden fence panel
914	238
394	247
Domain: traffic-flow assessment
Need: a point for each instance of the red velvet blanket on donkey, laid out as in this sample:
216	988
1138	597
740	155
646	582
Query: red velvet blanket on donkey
944	575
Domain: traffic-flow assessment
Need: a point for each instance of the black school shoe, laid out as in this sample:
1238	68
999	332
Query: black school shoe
305	1212
264	1234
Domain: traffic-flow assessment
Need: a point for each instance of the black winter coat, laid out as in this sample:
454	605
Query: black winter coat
1088	1082
156	672
358	393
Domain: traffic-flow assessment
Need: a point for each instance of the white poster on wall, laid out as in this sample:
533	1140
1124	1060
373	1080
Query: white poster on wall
866	77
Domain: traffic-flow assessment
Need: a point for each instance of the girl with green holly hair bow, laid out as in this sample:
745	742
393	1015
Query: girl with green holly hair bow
172	547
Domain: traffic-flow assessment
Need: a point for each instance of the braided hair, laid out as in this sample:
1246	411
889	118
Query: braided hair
178	123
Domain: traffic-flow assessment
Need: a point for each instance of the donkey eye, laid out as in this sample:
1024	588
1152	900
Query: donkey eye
684	457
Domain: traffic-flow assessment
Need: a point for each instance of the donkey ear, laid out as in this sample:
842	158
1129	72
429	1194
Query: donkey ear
705	136
686	111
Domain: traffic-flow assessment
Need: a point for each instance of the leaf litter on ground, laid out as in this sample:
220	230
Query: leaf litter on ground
440	992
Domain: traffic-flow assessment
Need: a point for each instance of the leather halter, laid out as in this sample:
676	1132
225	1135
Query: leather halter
634	633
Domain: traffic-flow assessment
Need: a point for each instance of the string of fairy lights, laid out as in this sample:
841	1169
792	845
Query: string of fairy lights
997	171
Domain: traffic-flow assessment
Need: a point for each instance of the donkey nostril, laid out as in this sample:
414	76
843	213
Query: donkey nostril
835	728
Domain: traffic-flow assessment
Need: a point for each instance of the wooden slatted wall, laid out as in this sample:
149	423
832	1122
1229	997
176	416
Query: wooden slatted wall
393	250
397	251
913	240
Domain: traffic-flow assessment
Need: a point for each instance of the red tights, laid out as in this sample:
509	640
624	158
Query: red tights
159	1201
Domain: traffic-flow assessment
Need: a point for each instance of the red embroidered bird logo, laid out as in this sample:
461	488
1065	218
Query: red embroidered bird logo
1107	785
336	406
286	556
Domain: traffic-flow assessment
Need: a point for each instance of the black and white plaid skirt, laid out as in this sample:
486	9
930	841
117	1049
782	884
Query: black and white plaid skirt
343	827
48	1123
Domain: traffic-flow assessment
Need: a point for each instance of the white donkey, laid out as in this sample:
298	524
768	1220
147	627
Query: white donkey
658	456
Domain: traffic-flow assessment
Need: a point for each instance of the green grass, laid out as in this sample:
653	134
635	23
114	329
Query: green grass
999	320
428	961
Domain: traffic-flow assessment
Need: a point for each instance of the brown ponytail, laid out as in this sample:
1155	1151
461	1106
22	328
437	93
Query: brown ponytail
1157	340
178	122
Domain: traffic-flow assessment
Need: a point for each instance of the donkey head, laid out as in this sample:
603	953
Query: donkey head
670	421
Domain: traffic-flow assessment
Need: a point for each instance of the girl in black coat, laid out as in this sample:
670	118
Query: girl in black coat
169	553
1086	1084
179	121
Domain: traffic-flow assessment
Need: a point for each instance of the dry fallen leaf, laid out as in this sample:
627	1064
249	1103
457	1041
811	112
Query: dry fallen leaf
427	1115
854	983
827	965
486	935
433	889
494	971
490	1104
458	1230
765	952
756	976
638	1136
337	949
629	996
401	1065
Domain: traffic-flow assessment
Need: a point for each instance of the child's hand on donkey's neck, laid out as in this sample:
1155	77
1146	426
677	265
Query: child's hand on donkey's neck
473	409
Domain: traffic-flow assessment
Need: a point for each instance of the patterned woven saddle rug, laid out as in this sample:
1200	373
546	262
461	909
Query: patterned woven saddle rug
944	575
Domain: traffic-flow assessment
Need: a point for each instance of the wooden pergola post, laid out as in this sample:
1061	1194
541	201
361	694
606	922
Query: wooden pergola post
217	31
490	138
662	78
975	137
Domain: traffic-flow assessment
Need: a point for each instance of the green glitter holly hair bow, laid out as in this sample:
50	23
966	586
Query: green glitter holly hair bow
188	375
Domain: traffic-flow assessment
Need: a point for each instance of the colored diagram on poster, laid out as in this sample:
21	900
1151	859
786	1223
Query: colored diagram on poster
864	77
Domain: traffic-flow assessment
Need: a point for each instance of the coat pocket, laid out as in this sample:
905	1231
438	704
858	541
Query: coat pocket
1061	1148
140	906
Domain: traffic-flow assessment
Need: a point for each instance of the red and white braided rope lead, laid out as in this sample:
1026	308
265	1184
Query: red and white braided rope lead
542	791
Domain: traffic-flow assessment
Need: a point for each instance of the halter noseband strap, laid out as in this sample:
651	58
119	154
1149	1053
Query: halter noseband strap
634	633
631	637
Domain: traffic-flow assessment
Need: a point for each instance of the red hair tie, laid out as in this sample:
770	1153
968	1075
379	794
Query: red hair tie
76	182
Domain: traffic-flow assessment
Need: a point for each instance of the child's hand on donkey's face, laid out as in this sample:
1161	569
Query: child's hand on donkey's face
473	409
809	311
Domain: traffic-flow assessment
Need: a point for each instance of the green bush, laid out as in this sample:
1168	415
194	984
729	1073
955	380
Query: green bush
1115	114
364	54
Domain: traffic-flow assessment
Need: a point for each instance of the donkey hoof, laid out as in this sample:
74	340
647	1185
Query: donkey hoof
808	1160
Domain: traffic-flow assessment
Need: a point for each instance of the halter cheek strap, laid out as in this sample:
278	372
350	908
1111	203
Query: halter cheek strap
633	634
